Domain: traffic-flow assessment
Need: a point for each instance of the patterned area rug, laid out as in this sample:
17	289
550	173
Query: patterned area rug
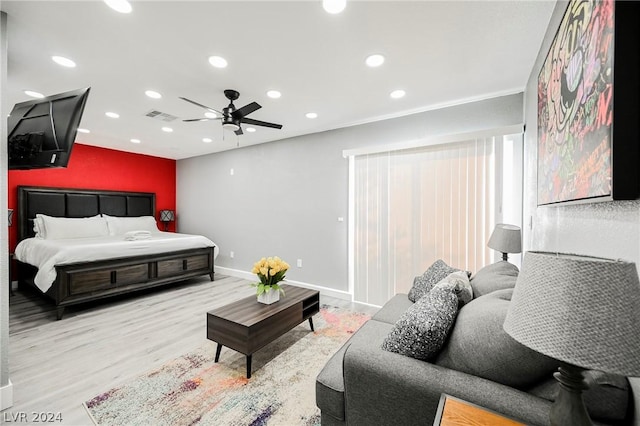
193	390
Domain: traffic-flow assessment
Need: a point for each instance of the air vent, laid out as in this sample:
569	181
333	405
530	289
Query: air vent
159	115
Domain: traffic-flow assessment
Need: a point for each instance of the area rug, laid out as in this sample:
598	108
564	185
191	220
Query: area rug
194	390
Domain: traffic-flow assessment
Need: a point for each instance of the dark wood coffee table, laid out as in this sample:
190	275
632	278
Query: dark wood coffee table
247	325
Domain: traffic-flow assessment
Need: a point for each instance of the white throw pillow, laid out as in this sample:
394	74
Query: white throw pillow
59	228
122	225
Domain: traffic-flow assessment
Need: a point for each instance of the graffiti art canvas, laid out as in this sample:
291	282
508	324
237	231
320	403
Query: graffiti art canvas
575	106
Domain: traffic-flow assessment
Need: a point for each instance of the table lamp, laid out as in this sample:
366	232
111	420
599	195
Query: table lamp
167	216
584	312
506	239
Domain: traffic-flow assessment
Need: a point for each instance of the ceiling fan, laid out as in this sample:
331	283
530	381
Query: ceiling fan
232	117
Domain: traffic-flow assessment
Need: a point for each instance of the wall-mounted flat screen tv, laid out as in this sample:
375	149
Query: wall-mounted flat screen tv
41	132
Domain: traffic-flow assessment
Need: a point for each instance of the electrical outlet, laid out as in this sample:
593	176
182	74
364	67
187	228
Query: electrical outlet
231	172
232	255
299	263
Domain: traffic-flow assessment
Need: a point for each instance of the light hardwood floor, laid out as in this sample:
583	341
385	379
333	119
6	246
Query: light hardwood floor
57	365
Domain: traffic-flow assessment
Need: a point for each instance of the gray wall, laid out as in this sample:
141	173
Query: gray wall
5	398
285	197
600	229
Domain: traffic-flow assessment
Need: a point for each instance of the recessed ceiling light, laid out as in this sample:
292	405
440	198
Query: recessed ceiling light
334	6
135	140
167	129
122	6
81	130
207	140
274	94
153	94
210	115
397	94
311	115
250	129
374	60
65	62
218	61
33	94
112	115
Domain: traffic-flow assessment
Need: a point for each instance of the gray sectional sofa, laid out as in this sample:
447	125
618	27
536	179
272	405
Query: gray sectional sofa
362	384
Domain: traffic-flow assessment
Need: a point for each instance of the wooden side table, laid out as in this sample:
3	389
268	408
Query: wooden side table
453	411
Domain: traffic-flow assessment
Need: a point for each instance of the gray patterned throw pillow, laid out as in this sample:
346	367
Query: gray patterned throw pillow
424	283
421	331
463	288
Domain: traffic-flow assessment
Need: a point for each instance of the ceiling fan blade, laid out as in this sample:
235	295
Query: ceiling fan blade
203	119
201	106
239	131
261	123
246	110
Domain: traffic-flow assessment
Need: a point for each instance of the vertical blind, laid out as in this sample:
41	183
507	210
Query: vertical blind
414	206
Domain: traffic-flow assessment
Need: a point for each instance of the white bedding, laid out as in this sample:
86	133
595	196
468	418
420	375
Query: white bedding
46	254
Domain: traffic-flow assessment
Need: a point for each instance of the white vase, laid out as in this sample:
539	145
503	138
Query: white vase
270	296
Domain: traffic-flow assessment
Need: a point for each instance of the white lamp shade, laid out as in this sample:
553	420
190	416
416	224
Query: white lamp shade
506	239
582	310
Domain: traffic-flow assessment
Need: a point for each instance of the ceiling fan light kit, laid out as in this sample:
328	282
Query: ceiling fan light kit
231	117
230	126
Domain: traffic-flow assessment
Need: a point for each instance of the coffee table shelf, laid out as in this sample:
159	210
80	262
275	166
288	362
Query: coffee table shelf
310	307
247	325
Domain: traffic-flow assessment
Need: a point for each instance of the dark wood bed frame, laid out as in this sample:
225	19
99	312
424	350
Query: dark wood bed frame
87	281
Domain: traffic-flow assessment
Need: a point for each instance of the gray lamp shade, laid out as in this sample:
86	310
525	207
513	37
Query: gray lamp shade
581	310
506	239
167	216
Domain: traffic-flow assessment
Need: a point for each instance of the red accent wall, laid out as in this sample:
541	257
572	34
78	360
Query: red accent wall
92	167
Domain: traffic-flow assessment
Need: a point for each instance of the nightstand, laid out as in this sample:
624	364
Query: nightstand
453	411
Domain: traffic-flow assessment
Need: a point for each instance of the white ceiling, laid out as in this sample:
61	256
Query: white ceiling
440	53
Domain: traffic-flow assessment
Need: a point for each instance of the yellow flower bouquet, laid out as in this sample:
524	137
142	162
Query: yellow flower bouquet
271	271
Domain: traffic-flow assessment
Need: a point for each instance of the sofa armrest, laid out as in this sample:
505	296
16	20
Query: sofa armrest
387	388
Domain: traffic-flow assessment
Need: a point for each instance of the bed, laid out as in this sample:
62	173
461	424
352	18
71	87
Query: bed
126	259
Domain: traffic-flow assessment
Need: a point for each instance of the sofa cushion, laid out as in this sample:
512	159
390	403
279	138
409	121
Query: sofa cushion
607	398
422	284
330	381
421	331
478	345
497	276
391	311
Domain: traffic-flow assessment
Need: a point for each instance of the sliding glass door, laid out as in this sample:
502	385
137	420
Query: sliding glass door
411	207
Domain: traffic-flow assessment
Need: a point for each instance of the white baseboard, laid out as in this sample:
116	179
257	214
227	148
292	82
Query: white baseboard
6	396
326	291
235	273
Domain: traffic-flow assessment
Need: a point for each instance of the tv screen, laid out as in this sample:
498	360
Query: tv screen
41	132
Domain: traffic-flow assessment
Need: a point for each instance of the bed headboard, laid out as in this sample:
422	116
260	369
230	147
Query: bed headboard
63	202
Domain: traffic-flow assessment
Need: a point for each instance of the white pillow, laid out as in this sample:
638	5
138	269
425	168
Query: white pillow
58	228
122	225
38	227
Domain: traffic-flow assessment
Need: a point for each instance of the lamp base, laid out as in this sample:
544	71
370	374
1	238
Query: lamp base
569	408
